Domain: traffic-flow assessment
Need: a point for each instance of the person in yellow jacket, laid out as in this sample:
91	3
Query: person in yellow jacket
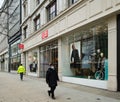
21	71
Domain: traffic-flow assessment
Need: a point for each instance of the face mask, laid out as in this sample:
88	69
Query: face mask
52	67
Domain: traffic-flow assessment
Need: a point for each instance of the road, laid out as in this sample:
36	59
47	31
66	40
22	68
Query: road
32	89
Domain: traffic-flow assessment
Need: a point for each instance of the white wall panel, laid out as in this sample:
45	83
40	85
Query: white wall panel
112	57
62	25
53	30
95	7
87	82
77	16
117	2
33	41
108	4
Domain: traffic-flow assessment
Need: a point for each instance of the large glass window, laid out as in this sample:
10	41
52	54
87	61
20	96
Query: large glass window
48	54
88	53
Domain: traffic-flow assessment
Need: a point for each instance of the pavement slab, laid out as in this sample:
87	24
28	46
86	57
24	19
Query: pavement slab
33	89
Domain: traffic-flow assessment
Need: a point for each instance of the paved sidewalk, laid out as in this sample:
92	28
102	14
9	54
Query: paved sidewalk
35	90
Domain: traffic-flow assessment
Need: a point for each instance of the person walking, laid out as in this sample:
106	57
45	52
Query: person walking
21	71
51	80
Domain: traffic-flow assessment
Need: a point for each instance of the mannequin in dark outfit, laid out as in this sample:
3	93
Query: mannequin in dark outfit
75	59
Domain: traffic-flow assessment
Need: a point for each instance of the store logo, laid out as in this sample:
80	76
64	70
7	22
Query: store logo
45	34
21	46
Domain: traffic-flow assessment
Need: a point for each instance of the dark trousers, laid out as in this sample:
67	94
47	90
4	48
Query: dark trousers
21	76
52	89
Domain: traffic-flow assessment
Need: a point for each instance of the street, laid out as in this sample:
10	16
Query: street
31	89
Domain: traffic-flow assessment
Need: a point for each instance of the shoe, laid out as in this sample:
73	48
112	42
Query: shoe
48	93
53	98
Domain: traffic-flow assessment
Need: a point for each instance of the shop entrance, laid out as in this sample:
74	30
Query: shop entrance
48	54
15	62
118	54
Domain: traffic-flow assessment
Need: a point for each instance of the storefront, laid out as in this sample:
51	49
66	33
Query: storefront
15	57
38	59
85	56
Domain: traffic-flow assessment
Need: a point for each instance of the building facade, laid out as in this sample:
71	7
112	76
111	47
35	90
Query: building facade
14	32
3	38
78	36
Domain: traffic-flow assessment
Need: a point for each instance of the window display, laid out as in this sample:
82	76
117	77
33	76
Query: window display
33	61
88	53
75	58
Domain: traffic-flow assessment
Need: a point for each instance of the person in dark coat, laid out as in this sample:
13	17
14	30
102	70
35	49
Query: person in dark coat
51	80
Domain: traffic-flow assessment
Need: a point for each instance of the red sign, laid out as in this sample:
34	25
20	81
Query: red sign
45	34
21	46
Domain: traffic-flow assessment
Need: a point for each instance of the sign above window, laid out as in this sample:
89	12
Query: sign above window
21	46
45	34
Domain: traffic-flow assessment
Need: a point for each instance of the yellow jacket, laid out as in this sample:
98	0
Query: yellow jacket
21	69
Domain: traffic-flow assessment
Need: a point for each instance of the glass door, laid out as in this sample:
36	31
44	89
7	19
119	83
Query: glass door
48	54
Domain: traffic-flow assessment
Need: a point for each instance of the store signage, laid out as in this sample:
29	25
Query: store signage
21	46
45	34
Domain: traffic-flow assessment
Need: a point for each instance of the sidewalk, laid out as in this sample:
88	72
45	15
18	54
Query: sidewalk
33	89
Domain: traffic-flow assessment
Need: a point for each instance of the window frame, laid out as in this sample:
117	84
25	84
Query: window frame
36	24
38	2
71	2
51	10
25	4
25	32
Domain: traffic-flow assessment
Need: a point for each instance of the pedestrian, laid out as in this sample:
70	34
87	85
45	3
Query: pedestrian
21	71
51	80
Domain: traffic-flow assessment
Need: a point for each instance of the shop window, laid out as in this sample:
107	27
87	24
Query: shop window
88	53
37	22
33	61
52	10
